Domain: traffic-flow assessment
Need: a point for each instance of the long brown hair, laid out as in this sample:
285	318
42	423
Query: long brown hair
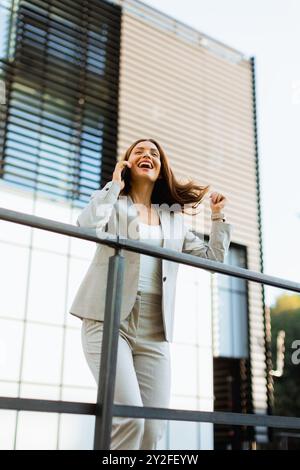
167	189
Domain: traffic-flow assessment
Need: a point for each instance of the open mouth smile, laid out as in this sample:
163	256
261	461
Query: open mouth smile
145	164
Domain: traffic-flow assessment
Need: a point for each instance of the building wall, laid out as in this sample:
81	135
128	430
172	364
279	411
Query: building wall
194	96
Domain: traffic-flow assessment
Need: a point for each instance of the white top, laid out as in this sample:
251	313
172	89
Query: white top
150	267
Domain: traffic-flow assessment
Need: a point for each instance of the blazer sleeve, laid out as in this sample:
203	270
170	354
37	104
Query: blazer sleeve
217	246
100	206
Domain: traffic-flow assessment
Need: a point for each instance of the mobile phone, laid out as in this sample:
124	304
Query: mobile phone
125	172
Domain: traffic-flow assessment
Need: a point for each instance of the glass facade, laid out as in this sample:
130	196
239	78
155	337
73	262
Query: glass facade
231	310
59	124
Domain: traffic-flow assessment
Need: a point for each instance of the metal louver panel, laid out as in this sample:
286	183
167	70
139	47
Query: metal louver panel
232	394
59	127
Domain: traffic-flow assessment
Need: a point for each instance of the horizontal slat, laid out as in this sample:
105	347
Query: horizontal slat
175	48
214	142
94	11
186	147
190	86
186	95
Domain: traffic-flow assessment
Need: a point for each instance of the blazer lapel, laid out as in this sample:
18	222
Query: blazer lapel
127	219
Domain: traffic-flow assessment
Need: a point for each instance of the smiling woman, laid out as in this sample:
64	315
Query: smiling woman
143	375
158	184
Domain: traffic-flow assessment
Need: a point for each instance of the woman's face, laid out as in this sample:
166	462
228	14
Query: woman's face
145	160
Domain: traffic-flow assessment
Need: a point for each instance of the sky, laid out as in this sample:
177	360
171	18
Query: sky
269	30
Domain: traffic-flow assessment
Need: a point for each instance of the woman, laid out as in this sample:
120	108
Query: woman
143	201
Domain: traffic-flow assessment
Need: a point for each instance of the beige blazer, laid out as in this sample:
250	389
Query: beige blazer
117	215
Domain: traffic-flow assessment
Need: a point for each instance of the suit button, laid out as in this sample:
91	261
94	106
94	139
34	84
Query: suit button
164	278
106	189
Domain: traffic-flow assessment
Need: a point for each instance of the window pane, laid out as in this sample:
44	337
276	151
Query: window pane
186	304
42	392
7	429
15	233
240	328
225	325
77	270
204	373
80	394
47	288
238	257
8	389
76	432
43	354
183	435
4	27
37	431
184	379
13	280
231	311
10	349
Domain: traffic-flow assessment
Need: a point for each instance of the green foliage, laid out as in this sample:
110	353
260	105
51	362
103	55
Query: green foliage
286	302
287	387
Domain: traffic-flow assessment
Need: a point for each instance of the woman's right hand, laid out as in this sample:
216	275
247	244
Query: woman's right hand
117	174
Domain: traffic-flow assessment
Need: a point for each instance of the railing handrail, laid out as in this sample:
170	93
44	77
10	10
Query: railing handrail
104	238
215	417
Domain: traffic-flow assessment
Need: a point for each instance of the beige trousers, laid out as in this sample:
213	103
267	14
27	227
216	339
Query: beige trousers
143	376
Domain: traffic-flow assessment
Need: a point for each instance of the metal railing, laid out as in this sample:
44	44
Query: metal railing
104	409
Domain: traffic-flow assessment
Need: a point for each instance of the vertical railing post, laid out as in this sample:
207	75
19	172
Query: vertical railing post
108	363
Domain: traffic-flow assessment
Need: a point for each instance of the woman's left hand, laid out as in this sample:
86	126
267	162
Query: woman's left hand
217	201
